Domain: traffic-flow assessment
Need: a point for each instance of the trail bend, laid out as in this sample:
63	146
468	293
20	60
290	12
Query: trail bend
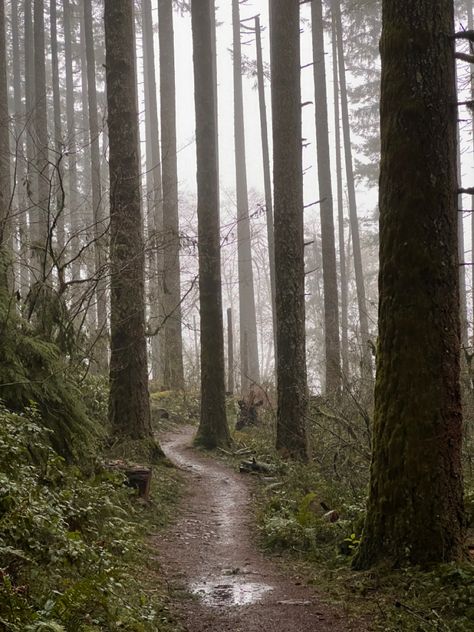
210	555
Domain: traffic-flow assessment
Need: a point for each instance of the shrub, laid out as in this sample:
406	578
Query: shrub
66	541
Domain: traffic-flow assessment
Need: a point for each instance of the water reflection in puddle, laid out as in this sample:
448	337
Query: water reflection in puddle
228	592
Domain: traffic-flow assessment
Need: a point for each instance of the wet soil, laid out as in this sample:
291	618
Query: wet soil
218	579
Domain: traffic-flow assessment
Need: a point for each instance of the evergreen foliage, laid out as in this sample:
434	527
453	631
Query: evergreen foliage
68	543
33	371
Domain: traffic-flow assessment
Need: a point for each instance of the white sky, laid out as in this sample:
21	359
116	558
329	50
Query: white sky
185	105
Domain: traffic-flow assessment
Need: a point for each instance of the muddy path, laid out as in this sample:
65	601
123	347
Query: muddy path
218	578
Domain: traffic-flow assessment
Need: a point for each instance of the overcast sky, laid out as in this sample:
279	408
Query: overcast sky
185	104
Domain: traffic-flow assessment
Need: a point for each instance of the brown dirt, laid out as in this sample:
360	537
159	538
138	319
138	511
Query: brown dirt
218	579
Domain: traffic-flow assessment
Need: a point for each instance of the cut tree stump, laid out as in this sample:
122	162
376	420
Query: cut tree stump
137	476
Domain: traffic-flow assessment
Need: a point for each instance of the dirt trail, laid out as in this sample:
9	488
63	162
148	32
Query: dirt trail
210	553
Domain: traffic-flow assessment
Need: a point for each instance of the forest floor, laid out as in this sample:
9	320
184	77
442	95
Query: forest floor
217	577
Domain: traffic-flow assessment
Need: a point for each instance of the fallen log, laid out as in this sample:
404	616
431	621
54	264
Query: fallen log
254	466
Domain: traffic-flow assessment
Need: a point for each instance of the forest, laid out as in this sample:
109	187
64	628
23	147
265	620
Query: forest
236	315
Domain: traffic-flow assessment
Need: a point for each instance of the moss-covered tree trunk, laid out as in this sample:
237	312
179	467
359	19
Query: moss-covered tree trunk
174	373
415	508
470	25
213	429
129	409
288	219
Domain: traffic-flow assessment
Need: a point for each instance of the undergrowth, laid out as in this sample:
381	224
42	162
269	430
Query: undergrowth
313	514
33	369
72	549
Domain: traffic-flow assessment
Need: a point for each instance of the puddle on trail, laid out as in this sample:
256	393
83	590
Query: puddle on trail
229	592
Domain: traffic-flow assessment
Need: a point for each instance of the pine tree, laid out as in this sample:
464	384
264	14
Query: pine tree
213	430
41	218
415	508
5	189
331	301
174	376
250	371
154	196
129	408
97	204
288	218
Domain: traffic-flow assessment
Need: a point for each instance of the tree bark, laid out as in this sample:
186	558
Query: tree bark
87	208
21	165
266	175
154	201
72	182
366	357
289	235
340	215
328	246
5	186
174	373
58	217
230	353
470	26
41	217
129	408
415	509
213	430
461	248
247	317
30	142
99	220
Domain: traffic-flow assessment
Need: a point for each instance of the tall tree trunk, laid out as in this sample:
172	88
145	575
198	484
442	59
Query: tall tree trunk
470	26
247	317
41	218
196	350
87	209
366	356
99	220
416	476
461	248
174	375
21	166
71	142
340	215
318	302
154	200
129	407
58	216
266	174
230	352
289	235
214	73
328	246
5	187
213	429
30	141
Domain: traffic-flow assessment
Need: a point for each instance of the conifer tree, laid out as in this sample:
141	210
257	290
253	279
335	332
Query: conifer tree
415	508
